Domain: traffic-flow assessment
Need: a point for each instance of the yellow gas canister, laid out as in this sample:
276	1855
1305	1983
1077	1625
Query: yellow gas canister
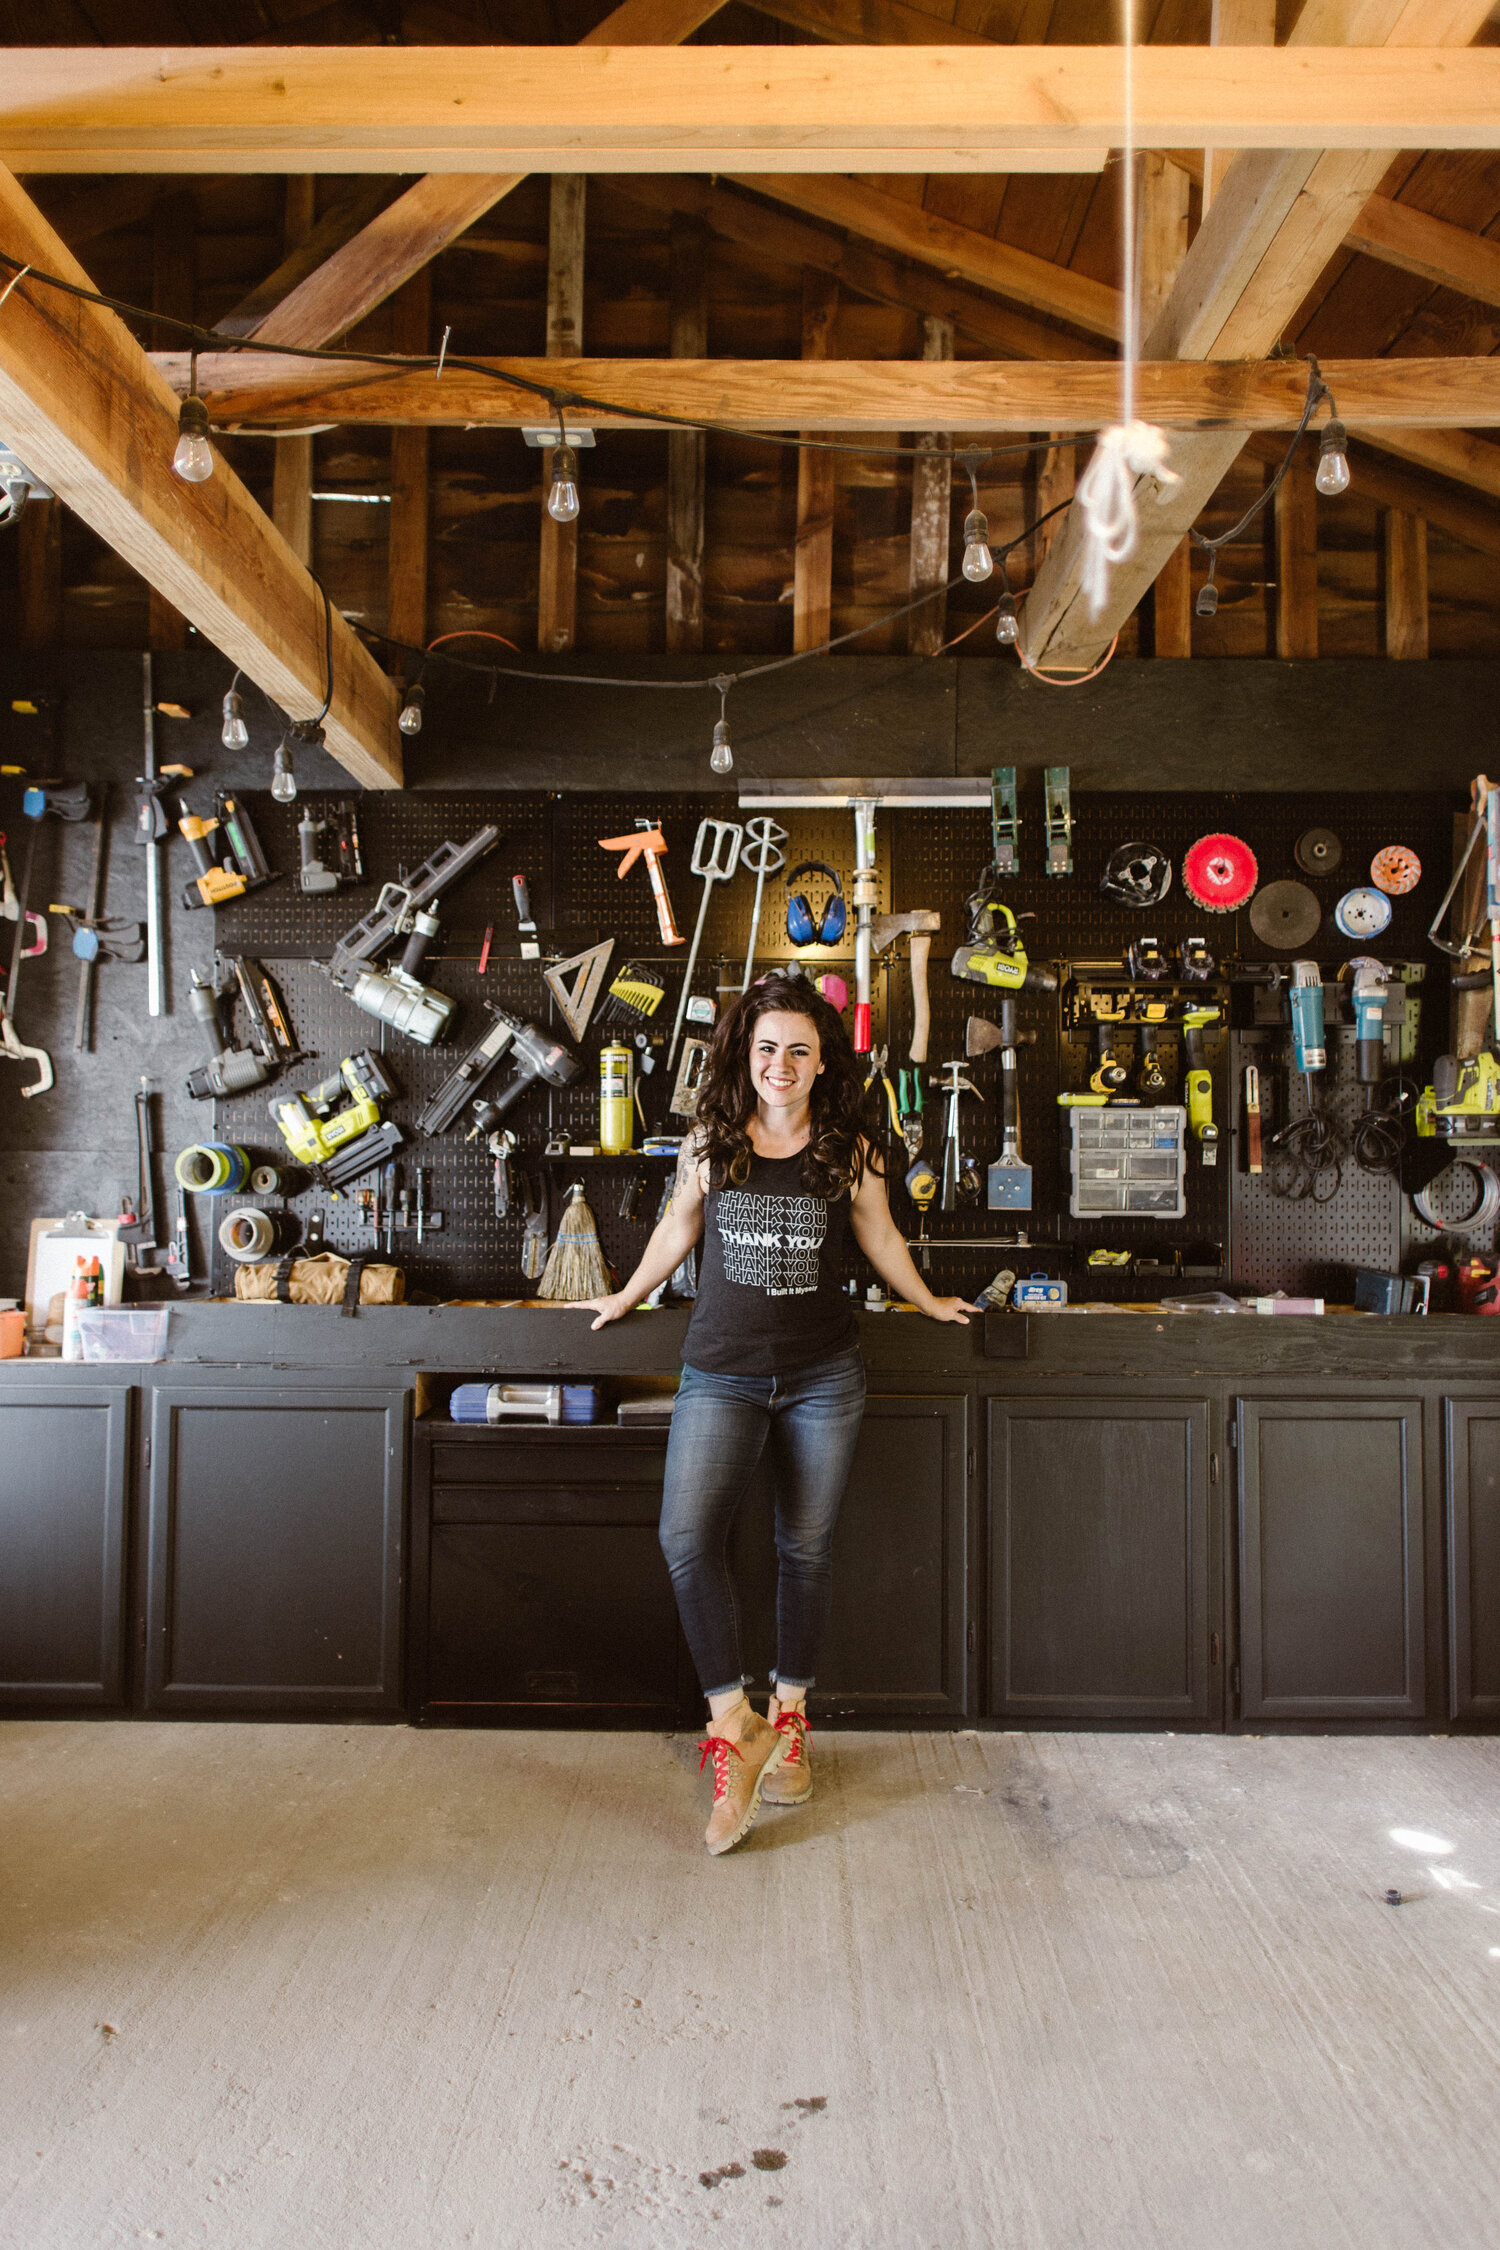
616	1099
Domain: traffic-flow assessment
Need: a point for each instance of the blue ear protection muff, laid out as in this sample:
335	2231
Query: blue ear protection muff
800	926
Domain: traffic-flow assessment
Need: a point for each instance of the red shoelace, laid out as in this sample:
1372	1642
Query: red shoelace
719	1748
801	1732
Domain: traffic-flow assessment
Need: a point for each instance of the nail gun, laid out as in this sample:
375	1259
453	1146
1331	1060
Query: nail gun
396	995
994	952
335	1128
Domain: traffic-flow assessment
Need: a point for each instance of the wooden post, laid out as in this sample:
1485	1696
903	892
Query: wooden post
39	608
1162	231
1235	23
812	577
1173	600
292	471
1056	474
687	450
406	604
173	278
557	587
1297	559
1405	584
931	514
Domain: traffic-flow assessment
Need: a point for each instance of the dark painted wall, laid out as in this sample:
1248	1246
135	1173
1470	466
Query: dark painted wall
1141	726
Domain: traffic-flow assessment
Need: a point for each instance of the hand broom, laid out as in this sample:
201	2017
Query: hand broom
575	1263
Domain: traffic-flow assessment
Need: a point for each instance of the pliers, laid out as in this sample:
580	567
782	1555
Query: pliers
910	1120
879	1057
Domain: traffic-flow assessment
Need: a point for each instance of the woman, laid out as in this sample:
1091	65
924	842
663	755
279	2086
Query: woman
773	1174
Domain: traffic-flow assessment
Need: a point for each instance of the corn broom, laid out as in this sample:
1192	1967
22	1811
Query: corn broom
575	1263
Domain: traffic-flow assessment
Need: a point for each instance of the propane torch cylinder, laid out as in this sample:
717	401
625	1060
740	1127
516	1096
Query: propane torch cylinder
616	1099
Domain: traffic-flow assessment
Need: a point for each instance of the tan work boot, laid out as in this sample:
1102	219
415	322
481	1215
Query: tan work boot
791	1783
740	1769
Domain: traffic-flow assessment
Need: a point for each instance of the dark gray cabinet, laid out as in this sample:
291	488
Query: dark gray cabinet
898	1637
63	1489
274	1546
1099	1539
1473	1528
1331	1574
539	1593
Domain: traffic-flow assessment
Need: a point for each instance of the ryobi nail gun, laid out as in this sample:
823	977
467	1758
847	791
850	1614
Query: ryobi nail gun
335	1128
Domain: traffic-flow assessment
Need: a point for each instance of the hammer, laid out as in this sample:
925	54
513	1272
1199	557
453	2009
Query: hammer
921	924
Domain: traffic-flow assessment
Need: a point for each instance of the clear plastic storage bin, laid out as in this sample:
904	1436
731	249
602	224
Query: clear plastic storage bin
123	1332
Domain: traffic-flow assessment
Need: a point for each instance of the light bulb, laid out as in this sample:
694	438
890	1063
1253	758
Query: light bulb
283	774
562	500
235	734
193	460
1207	603
721	757
1333	461
978	562
410	721
1007	624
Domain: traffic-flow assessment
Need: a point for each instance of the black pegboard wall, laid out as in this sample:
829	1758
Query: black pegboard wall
925	859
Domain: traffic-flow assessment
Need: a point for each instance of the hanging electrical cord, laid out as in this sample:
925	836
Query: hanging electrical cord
208	341
1333	450
1378	1135
1306	1160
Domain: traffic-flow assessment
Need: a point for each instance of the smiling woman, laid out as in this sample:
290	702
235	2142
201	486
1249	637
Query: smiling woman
773	1178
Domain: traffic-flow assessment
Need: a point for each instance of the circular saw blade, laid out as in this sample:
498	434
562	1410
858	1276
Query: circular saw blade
1318	851
1285	915
1219	873
1395	869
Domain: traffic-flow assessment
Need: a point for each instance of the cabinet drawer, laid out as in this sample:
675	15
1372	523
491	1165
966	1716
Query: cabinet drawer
570	1503
541	1457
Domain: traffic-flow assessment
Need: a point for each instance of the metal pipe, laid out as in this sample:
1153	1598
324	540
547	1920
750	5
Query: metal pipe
155	991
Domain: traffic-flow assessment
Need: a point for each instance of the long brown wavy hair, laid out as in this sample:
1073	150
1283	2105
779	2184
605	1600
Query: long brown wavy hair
837	1151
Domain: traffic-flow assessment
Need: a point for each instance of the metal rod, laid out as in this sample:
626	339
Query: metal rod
82	1019
155	991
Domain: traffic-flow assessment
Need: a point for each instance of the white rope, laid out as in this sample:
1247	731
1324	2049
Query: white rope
1130	449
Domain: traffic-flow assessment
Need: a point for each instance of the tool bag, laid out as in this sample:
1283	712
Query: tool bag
325	1280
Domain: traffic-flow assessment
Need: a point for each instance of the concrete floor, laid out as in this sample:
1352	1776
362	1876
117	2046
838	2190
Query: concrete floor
347	1989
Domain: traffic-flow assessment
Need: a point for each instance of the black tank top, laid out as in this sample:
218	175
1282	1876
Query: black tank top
769	1295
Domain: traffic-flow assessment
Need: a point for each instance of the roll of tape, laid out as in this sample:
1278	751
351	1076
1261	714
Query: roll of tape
265	1180
247	1234
212	1168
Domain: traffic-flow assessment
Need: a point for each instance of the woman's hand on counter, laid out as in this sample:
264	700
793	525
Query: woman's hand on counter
608	1308
955	1309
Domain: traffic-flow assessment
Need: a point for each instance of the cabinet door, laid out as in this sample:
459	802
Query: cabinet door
1330	1549
1099	1530
62	1544
545	1597
898	1634
274	1572
1473	1508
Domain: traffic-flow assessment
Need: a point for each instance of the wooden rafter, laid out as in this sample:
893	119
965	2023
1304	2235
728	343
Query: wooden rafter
1450	256
360	272
84	407
263	390
1280	214
616	108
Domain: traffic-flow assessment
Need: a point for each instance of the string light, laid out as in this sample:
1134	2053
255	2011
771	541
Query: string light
721	757
410	721
193	459
283	772
1333	459
1007	624
562	500
978	563
234	734
1207	604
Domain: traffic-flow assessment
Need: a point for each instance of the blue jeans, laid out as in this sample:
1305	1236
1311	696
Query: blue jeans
719	1432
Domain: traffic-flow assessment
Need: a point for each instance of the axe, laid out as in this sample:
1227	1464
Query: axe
921	924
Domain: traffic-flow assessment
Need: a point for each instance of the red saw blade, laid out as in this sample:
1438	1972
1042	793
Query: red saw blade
1219	874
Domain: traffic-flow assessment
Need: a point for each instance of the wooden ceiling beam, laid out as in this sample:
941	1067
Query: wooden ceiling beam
664	109
398	242
918	287
959	251
1431	248
267	392
84	407
1279	215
